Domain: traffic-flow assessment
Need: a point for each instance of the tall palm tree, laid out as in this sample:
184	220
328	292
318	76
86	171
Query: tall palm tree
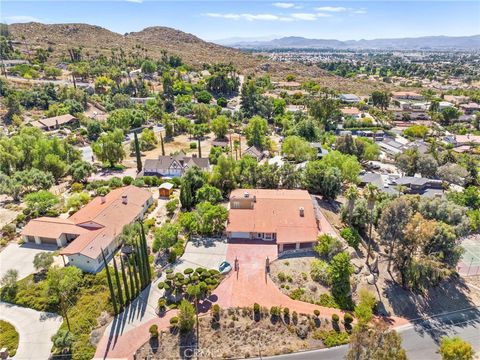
351	194
371	194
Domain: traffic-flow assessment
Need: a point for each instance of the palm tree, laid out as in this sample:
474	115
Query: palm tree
371	194
351	194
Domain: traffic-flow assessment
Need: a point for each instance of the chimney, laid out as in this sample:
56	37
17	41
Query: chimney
302	212
124	199
246	194
103	200
254	198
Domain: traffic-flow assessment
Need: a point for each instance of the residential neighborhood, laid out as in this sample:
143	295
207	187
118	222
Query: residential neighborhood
167	197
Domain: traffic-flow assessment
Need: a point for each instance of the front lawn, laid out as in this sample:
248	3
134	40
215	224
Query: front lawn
8	337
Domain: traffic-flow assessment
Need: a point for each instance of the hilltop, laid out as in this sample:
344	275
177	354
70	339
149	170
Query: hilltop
153	40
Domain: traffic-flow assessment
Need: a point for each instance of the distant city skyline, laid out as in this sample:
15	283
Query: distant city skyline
218	20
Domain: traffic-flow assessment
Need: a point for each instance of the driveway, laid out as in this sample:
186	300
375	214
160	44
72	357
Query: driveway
20	258
128	330
35	330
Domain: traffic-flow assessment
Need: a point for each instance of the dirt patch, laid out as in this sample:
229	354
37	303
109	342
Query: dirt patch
238	334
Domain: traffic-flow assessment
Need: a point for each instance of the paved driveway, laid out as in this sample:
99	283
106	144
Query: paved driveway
206	253
35	330
20	258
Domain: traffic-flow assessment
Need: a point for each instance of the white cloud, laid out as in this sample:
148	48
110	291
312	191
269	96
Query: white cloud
135	1
283	5
21	19
319	15
304	16
360	11
249	17
331	9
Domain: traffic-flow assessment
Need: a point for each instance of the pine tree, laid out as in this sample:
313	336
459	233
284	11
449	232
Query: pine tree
137	152
119	284
110	285
125	282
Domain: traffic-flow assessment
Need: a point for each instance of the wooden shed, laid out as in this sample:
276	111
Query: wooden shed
165	189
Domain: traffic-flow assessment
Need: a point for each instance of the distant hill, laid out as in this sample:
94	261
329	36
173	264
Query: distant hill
420	43
94	40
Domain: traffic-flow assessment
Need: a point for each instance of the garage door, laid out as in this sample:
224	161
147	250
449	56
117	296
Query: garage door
48	241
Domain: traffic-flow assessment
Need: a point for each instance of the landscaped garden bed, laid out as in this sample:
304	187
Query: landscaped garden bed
8	337
244	332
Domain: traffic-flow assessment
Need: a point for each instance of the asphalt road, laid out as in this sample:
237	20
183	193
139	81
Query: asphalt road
420	340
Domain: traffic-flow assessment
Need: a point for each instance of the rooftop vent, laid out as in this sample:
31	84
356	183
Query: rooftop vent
124	199
246	195
103	199
302	212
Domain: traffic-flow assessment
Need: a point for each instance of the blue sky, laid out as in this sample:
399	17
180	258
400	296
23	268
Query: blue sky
220	19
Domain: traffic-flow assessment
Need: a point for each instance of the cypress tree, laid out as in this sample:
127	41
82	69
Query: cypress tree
137	152
145	253
162	145
186	195
199	148
110	286
125	282
119	284
133	273
140	269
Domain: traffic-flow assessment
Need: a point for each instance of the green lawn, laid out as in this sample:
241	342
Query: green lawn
8	337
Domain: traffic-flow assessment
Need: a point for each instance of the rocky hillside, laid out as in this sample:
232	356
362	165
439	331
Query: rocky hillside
153	40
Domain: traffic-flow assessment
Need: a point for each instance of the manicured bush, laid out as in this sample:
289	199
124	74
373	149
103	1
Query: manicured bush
286	312
347	318
162	303
153	331
351	236
335	318
256	308
294	317
216	312
127	180
316	312
174	321
188	271
275	311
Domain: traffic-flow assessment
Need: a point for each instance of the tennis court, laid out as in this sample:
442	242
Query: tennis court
470	261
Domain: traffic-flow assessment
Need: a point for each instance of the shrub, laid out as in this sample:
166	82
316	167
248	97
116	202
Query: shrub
286	312
455	348
256	308
188	271
347	318
193	145
153	331
115	182
102	190
174	321
351	236
171	206
77	187
162	303
294	317
275	311
186	317
282	277
328	246
335	318
319	272
316	312
127	180
221	101
297	294
216	312
331	338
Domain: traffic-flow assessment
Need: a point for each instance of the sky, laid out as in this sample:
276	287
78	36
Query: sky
224	19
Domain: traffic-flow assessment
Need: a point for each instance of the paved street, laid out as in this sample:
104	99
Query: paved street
420	340
35	330
20	258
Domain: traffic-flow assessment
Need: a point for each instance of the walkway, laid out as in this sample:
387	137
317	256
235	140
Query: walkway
35	330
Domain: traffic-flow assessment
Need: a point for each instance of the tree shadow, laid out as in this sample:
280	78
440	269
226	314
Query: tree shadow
187	345
425	310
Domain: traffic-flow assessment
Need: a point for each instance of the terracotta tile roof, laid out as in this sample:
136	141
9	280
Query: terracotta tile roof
97	224
350	111
276	211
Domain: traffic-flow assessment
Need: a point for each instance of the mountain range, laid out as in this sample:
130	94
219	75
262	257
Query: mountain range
419	43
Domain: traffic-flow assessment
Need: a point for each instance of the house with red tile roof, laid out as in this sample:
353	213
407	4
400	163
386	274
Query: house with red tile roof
94	227
285	217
